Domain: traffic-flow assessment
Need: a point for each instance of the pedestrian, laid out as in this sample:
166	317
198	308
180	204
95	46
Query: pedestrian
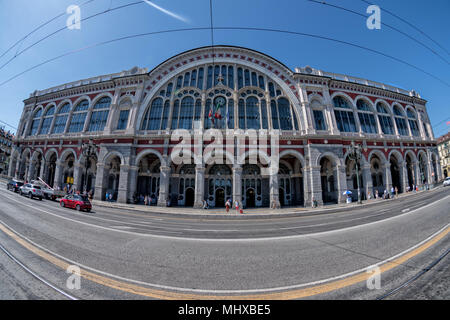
146	200
396	192
227	205
392	192
107	196
236	204
376	194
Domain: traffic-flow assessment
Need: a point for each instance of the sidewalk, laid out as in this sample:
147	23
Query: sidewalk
250	213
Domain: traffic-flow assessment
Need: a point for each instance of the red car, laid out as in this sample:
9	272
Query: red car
76	202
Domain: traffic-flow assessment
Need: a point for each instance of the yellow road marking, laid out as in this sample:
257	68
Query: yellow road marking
170	295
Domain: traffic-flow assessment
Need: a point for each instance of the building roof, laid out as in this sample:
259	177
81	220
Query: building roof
444	138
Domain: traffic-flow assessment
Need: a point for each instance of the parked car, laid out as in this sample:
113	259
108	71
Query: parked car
14	185
32	191
78	202
447	182
49	193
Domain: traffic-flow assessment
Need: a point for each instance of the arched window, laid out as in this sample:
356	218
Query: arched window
61	119
264	114
100	115
400	122
284	114
366	117
186	113
152	118
344	118
252	113
36	122
385	119
79	117
230	114
48	117
413	123
273	109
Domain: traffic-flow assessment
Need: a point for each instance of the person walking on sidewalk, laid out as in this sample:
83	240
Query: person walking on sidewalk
227	205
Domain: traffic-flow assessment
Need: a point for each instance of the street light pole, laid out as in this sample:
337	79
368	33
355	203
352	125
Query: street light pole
355	154
88	150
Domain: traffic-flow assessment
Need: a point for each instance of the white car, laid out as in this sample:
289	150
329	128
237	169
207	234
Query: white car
447	182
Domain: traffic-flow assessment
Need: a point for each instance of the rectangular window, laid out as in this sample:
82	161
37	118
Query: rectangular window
123	119
319	120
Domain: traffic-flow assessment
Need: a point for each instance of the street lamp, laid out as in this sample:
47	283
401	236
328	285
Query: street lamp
356	154
88	150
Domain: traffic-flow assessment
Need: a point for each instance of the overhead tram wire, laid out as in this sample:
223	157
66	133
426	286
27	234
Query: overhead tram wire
384	24
64	28
230	28
38	28
411	25
12	127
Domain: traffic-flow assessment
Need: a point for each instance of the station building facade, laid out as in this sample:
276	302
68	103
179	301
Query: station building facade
131	117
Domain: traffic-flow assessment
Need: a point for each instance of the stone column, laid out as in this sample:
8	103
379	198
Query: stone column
132	177
387	177
403	176
100	182
429	172
313	186
123	184
17	169
341	183
274	191
30	172
77	175
164	182
367	177
58	175
237	184
417	174
43	169
11	167
199	186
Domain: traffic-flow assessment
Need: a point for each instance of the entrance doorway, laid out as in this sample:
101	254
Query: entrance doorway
250	198
220	198
190	195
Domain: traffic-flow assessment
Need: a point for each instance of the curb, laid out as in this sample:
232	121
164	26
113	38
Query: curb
249	216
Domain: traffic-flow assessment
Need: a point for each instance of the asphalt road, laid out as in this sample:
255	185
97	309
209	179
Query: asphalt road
131	255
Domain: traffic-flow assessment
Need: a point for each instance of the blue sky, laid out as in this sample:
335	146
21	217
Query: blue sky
19	17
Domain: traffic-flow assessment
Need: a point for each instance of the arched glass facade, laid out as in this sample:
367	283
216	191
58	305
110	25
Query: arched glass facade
385	119
99	114
47	120
345	118
400	122
79	117
35	123
61	119
413	123
366	117
207	95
